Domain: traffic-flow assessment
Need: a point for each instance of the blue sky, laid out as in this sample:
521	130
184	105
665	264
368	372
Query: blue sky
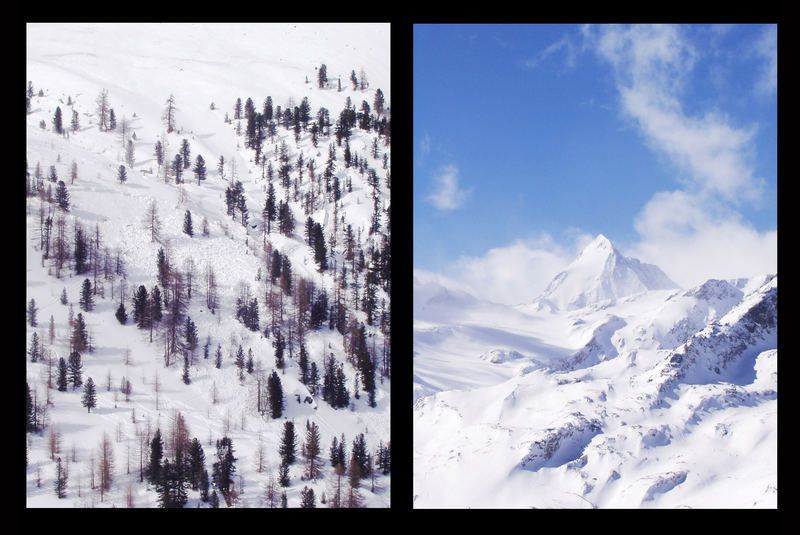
529	140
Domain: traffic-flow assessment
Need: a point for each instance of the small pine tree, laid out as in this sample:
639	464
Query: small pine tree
61	382
187	224
57	121
186	379
122	174
288	443
75	367
32	310
307	498
60	482
86	301
62	196
122	316
89	399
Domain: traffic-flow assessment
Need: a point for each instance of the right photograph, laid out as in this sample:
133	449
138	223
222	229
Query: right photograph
595	282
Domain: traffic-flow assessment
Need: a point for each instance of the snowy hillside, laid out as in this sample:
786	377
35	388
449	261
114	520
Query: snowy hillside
647	396
264	189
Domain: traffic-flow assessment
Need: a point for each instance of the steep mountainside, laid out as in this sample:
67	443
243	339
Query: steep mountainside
247	179
642	398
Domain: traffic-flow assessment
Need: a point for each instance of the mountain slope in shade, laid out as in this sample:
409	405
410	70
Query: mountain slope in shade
601	274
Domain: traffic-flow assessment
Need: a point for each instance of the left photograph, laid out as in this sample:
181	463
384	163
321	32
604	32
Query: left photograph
208	265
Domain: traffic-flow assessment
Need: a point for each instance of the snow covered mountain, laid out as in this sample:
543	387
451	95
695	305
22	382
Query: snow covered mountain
647	396
273	318
600	274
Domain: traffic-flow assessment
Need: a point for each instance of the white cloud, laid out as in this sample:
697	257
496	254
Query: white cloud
693	240
515	273
693	233
767	47
447	195
566	44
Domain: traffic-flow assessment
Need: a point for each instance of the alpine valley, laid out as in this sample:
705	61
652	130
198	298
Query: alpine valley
613	389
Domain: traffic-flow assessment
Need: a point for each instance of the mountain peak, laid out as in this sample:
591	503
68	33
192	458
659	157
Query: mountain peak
602	273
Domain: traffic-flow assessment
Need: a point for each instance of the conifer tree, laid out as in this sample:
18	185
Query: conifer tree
121	315
279	344
32	310
156	453
35	351
311	451
187	224
169	114
57	121
196	465
75	367
62	196
275	393
60	482
80	337
307	498
199	169
218	357
224	469
122	174
185	153
185	377
288	443
89	399
61	382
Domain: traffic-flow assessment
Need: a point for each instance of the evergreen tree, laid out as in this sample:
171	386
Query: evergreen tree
89	399
57	122
199	169
311	450
283	480
187	224
32	310
156	453
214	500
170	486
61	382
141	307
81	253
384	460
155	305
360	457
224	468
302	362
112	120
177	168
63	299
121	315
169	114
275	393
122	174
288	443
35	351
270	211
185	153
320	251
307	498
159	153
185	377
196	465
75	367
80	337
86	301
322	76
378	103
62	196
218	357
30	420
279	344
60	482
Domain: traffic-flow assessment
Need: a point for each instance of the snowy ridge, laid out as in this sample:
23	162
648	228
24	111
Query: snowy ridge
662	398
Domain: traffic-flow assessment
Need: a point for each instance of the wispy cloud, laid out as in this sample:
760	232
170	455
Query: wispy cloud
694	232
518	272
447	194
425	145
566	44
767	48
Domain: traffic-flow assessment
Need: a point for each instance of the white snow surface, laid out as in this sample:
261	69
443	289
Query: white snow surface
663	398
141	65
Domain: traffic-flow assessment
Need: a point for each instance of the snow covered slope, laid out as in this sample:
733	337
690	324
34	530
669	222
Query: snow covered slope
660	398
206	67
600	274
